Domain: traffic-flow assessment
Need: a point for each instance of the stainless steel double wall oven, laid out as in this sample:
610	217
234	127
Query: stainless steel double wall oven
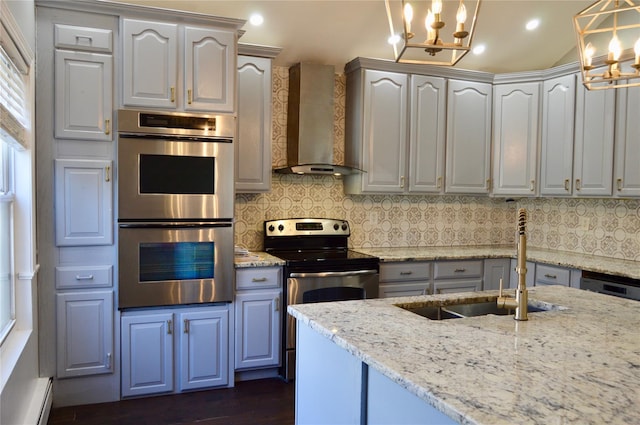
175	208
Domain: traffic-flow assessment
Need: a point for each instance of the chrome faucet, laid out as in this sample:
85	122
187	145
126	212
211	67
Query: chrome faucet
521	300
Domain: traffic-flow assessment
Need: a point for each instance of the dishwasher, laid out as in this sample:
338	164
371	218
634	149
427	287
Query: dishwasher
618	286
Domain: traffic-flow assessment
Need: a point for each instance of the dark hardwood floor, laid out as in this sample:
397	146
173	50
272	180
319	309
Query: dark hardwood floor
263	402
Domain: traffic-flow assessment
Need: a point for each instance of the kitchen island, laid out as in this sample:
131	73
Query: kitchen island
372	361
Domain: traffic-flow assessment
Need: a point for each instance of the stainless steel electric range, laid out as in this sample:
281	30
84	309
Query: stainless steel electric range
319	267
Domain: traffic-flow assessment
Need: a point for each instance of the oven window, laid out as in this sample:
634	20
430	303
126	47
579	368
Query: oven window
177	174
176	261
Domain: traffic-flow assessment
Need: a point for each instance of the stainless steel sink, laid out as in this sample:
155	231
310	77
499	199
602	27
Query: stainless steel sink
457	311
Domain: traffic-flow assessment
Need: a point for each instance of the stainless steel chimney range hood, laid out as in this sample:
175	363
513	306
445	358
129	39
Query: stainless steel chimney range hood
310	122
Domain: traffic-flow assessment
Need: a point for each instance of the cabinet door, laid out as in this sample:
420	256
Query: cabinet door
83	210
147	354
393	289
427	134
515	138
384	132
83	86
85	333
210	70
149	61
253	144
556	159
593	149
494	270
204	346
627	145
468	137
258	327
462	285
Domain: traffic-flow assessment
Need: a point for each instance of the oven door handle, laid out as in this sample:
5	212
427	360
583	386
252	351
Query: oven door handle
176	225
333	274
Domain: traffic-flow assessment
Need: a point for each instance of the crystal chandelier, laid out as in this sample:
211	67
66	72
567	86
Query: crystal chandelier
603	29
430	43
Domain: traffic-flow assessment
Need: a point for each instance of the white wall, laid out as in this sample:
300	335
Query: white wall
21	389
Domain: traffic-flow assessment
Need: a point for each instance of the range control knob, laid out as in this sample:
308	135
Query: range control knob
271	228
336	227
344	226
281	227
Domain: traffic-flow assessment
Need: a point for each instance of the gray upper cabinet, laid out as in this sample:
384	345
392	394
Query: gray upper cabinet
515	138
627	143
556	159
83	83
468	148
253	144
427	134
593	149
376	129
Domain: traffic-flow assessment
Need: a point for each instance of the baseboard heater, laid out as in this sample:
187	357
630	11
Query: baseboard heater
47	400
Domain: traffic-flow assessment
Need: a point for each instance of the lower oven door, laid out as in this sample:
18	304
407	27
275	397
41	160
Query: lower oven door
163	264
305	288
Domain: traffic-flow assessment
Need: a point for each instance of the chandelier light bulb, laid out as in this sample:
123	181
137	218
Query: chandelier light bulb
436	6
461	17
615	49
428	24
408	16
589	51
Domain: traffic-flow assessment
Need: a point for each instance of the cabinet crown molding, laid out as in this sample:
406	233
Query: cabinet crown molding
258	50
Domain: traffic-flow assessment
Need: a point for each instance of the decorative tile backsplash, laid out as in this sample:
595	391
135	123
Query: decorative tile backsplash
604	227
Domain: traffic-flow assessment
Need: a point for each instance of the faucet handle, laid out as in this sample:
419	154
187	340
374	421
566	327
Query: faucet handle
500	293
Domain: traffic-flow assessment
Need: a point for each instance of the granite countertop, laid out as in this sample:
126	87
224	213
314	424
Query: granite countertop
627	268
257	259
579	363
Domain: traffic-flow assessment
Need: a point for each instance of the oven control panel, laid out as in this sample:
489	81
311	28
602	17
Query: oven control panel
306	227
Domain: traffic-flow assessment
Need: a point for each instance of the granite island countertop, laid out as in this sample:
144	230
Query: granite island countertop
579	363
593	263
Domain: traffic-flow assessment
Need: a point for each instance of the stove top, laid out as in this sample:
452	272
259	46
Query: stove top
313	242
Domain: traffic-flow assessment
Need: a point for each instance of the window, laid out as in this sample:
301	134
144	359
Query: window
14	123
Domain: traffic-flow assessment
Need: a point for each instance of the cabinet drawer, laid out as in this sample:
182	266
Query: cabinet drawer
258	278
549	275
81	38
457	269
406	270
404	289
84	277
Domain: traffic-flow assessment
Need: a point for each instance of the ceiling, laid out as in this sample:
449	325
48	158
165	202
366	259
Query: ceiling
336	31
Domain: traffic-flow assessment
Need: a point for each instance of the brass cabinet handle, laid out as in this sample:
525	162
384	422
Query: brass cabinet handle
532	185
406	273
401	181
550	276
276	306
566	184
107	173
259	279
460	270
189	96
186	326
578	185
108	361
488	184
439	184
107	126
169	327
84	277
619	183
173	94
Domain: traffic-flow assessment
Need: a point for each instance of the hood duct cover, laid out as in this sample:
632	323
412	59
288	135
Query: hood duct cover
310	122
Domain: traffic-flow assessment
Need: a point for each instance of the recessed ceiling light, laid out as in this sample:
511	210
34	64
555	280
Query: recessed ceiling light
256	19
394	39
533	24
479	49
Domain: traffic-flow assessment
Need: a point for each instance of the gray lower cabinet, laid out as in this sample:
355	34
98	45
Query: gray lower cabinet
457	276
85	333
494	270
173	350
258	317
399	279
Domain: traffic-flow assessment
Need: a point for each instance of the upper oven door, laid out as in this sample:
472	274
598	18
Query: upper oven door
174	178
